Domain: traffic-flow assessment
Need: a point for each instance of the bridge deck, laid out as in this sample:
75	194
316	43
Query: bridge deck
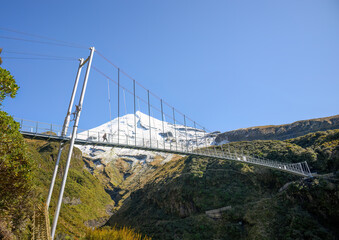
300	169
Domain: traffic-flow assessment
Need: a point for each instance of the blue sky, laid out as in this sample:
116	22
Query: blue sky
226	64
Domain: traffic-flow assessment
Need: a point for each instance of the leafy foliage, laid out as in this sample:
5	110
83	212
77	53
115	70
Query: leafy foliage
8	86
15	174
325	146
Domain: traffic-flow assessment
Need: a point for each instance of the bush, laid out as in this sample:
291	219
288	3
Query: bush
15	174
8	87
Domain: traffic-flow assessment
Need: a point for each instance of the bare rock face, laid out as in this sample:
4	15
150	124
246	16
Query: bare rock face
217	213
280	132
71	201
95	223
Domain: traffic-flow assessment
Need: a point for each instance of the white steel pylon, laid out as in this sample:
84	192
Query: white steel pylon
74	133
64	132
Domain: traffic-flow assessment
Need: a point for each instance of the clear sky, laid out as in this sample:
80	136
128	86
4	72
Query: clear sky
226	64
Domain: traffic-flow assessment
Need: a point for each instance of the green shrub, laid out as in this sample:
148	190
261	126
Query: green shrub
15	174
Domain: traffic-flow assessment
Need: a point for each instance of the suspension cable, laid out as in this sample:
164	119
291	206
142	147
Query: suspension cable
153	94
38	54
38	58
43	37
141	99
41	42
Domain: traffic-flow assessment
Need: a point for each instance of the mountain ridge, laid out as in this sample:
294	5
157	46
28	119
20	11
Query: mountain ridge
280	132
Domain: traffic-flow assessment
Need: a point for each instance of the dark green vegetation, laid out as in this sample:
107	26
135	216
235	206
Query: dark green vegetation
15	180
15	169
325	146
260	203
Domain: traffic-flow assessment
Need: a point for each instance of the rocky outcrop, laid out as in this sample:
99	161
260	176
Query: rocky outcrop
71	201
95	223
280	132
217	213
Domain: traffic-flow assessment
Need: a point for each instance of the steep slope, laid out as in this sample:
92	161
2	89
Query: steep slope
85	201
247	202
326	147
280	132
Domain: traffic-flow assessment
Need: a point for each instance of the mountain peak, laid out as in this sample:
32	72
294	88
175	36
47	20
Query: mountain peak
147	127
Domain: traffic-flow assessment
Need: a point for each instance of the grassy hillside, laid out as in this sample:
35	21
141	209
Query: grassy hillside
85	198
258	203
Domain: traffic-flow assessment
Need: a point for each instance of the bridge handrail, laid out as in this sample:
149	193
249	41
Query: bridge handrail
181	147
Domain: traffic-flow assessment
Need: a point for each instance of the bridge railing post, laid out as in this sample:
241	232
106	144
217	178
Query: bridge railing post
308	169
302	169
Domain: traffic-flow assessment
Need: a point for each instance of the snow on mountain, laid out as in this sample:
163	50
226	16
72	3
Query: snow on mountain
173	136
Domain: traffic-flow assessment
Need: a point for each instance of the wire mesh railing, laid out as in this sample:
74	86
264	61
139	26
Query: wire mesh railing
171	145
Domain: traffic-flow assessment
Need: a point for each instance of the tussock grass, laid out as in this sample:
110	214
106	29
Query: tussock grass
114	233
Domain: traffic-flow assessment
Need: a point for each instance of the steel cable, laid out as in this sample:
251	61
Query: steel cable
70	44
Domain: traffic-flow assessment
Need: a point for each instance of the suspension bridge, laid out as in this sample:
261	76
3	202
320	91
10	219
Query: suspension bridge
182	135
51	132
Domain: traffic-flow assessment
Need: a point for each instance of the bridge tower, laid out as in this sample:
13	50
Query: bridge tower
77	113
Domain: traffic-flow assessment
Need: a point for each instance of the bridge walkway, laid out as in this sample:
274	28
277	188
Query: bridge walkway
182	148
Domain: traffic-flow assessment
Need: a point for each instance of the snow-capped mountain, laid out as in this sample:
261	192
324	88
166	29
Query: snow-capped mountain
162	134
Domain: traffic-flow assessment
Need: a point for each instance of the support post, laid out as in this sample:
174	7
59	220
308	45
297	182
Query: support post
175	131
162	119
205	140
186	133
149	120
135	121
118	105
75	128
301	168
196	137
64	132
308	169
